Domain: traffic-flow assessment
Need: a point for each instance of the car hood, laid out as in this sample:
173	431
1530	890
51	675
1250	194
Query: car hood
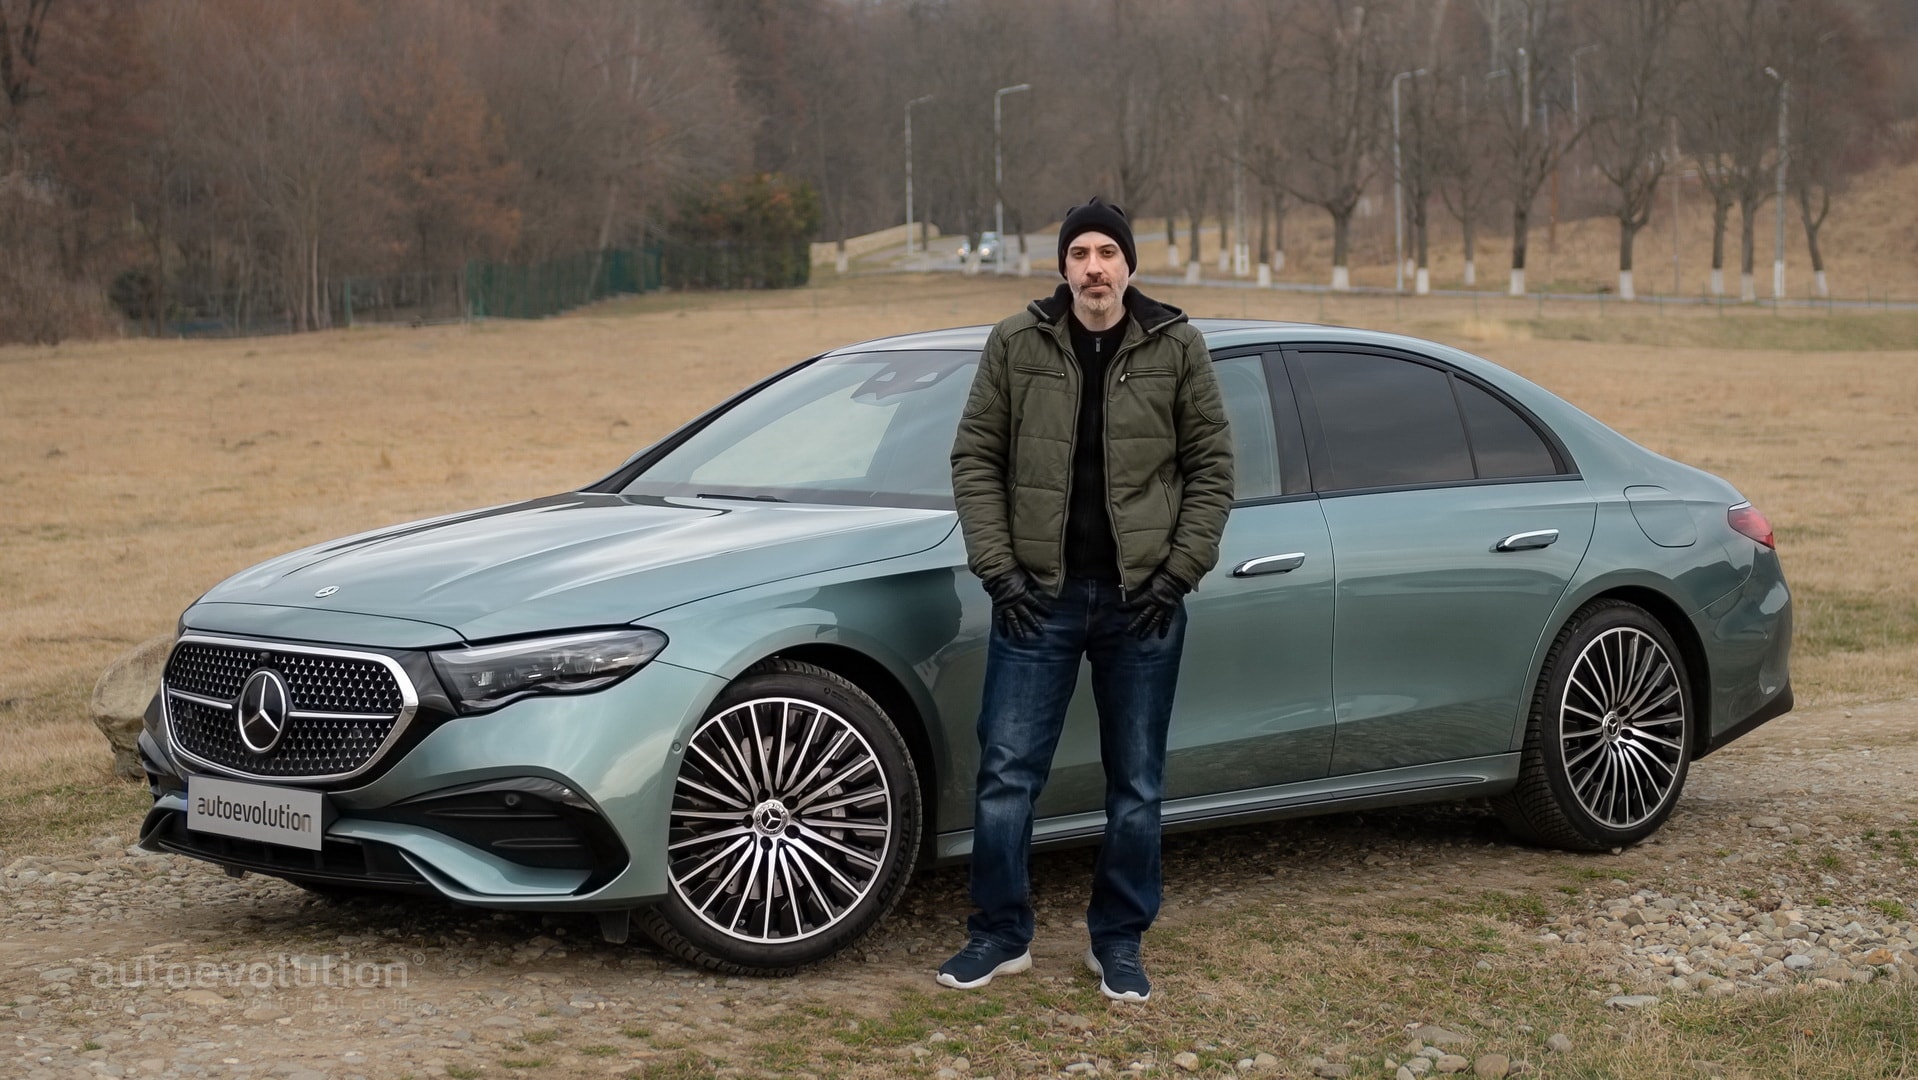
577	560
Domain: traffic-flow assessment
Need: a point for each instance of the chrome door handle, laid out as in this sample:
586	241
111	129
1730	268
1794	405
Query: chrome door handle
1527	540
1270	564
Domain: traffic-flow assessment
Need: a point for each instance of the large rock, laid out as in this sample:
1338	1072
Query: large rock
120	700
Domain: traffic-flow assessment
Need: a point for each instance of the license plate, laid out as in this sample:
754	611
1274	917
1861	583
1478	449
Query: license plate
276	815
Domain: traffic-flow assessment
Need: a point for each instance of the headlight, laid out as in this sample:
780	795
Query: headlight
484	678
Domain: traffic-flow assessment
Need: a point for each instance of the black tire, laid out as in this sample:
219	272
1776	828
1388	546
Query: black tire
818	881
1609	738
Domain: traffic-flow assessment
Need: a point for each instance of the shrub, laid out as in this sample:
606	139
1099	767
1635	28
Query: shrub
750	233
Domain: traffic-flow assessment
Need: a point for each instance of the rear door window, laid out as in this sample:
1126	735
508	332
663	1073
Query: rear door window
1383	422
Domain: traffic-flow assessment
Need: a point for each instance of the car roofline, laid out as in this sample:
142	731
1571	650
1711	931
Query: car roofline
1248	331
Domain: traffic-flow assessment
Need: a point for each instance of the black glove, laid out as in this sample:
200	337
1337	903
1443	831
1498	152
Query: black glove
1017	608
1155	605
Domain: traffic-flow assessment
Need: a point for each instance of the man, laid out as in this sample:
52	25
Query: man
1093	473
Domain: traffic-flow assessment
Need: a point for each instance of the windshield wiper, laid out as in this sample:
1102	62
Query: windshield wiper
748	498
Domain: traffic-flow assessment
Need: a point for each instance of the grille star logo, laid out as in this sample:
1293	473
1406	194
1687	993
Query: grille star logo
261	711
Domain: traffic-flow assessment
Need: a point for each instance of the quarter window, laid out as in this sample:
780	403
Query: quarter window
1384	422
1503	443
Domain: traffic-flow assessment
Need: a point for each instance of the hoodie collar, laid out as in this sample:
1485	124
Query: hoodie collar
1151	315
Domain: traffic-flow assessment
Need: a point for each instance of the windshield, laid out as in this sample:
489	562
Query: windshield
864	429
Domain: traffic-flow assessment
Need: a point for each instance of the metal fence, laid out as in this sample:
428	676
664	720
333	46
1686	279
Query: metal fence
200	310
536	290
738	264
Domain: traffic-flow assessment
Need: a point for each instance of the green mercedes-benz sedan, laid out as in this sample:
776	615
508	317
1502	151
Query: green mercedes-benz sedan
730	690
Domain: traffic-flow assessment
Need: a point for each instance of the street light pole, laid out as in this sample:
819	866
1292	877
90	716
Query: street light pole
909	222
1398	187
1778	260
1241	258
1516	287
1577	169
1525	88
998	176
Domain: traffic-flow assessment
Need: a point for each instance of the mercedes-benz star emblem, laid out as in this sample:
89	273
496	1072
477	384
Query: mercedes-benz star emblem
328	591
261	711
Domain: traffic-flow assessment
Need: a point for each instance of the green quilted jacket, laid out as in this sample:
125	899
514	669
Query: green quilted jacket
1168	451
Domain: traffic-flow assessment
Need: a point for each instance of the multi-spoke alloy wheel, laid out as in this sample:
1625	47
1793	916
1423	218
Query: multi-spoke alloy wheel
794	821
781	820
1620	727
1609	738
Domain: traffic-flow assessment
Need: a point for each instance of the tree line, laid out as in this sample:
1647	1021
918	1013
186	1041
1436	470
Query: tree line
240	159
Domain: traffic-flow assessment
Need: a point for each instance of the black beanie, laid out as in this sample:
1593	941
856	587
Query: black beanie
1097	215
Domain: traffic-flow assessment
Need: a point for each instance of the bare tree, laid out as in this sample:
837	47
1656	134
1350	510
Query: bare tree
1533	50
1631	102
1729	117
240	159
1197	178
1424	132
1333	130
618	106
1260	44
970	51
281	123
1839	111
1463	152
1151	100
22	26
439	155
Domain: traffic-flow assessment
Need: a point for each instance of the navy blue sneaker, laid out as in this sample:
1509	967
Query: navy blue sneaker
976	964
1120	971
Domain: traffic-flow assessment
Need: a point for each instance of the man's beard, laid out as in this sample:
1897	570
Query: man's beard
1100	302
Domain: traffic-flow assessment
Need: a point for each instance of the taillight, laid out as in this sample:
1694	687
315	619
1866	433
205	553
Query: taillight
1746	519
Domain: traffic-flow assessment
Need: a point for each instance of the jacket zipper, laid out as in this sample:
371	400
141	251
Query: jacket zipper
1119	358
1105	439
1072	442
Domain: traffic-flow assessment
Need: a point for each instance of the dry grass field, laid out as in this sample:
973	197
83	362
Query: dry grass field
136	474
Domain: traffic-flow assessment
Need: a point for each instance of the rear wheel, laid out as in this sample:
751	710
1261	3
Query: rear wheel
1608	742
794	826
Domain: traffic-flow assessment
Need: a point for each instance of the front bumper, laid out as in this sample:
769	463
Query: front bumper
598	768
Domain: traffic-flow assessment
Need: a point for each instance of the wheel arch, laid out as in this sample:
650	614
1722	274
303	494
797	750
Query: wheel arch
873	677
1684	634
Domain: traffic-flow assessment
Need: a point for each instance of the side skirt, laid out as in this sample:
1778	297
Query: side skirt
1443	782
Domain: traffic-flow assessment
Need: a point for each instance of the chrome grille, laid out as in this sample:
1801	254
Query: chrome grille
214	671
346	708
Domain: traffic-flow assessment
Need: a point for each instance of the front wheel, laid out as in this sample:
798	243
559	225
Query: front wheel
794	826
1609	738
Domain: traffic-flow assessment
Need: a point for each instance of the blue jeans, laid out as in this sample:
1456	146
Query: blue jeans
1028	686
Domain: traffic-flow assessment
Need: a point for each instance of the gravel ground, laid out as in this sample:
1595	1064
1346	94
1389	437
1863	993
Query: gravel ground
1789	865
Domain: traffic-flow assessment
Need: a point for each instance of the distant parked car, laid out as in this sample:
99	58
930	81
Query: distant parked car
730	689
988	248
